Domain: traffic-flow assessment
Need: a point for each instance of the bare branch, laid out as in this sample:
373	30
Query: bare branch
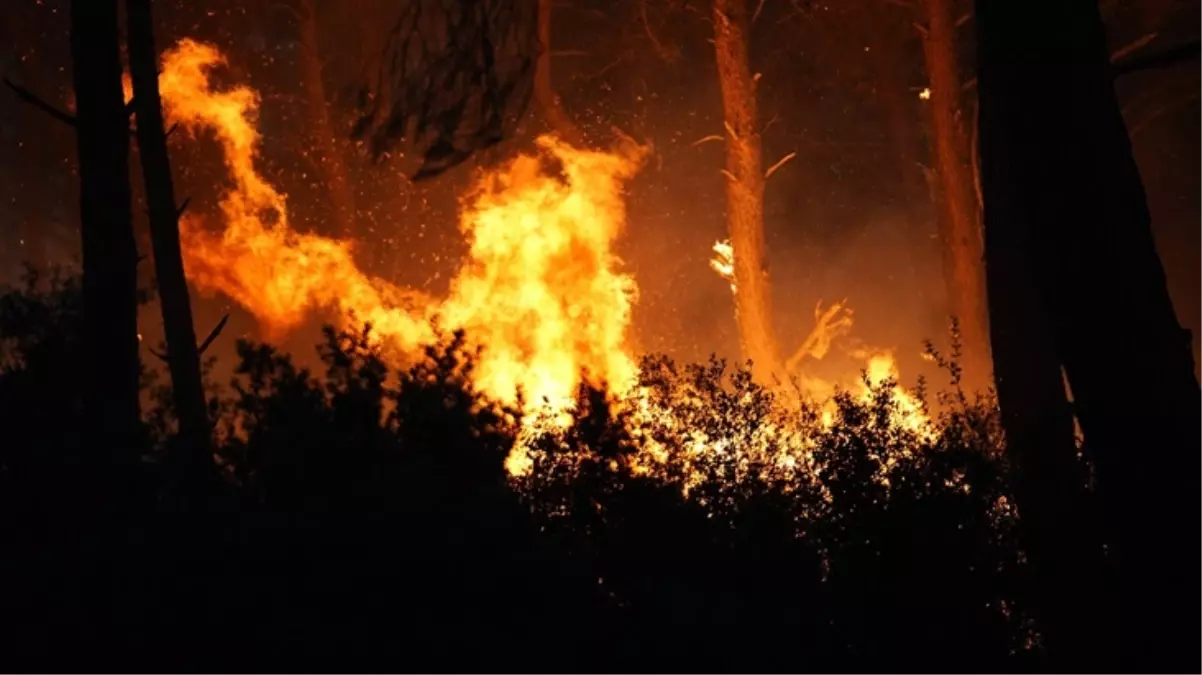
963	19
707	139
1134	45
729	175
162	357
828	325
1171	57
783	160
758	8
171	130
213	334
730	130
33	99
920	28
179	212
661	51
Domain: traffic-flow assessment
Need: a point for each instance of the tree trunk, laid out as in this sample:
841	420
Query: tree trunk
544	91
745	192
1053	137
183	358
106	225
329	155
956	203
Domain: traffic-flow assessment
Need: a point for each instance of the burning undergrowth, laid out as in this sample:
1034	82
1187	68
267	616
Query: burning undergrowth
540	297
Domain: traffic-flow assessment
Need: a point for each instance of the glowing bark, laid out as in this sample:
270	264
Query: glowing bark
745	191
963	248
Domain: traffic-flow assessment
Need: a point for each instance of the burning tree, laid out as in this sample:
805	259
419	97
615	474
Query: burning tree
745	191
952	185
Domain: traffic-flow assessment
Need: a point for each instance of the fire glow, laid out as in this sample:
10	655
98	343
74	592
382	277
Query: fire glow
540	293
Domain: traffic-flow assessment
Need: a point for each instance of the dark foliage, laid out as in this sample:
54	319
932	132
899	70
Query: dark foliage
366	520
454	77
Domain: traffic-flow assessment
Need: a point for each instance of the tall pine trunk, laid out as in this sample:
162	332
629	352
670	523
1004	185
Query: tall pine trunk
326	147
745	191
1057	163
106	225
956	203
544	89
183	358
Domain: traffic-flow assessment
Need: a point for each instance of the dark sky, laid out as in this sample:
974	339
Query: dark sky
848	217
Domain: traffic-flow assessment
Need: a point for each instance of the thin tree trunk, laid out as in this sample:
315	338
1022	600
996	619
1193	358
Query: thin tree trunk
106	224
544	91
1053	136
745	191
325	141
183	358
956	203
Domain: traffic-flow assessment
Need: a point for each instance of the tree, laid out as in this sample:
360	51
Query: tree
544	90
453	79
326	147
745	190
183	356
952	188
1064	200
110	257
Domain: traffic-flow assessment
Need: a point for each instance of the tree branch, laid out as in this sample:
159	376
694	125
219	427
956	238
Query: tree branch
1170	57
1139	43
772	169
179	212
707	139
213	334
33	99
828	325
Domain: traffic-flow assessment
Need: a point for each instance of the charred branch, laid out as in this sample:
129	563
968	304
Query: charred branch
37	102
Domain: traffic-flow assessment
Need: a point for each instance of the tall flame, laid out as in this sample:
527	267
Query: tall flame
539	293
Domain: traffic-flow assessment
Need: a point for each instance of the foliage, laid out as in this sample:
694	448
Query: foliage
367	516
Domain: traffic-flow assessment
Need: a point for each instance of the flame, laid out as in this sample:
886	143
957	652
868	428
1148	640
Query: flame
279	275
723	262
539	293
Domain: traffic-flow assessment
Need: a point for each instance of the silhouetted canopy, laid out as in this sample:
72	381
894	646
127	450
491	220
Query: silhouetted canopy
453	78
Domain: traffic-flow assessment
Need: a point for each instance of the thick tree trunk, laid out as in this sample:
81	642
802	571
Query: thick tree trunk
544	90
956	205
745	191
183	358
1052	135
327	153
106	224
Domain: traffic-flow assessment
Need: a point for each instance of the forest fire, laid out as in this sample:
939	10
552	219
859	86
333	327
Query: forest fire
539	293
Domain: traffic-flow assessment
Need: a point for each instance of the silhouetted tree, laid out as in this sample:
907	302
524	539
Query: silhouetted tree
110	255
183	355
1068	241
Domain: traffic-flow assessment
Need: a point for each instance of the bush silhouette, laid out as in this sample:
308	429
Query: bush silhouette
365	518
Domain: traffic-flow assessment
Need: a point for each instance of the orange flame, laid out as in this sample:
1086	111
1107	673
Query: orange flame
539	293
